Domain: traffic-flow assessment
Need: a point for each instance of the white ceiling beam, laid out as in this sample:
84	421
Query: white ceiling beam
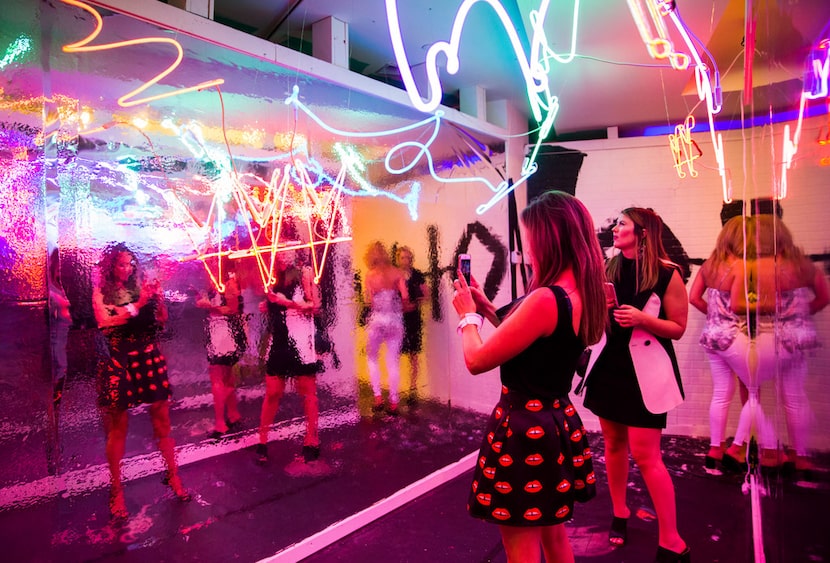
170	17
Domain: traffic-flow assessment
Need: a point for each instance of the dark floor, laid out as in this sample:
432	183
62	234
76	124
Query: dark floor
246	512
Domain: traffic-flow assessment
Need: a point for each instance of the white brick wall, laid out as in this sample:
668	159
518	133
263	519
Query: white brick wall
622	172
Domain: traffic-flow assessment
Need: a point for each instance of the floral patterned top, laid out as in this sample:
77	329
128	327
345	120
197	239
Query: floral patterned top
722	324
796	330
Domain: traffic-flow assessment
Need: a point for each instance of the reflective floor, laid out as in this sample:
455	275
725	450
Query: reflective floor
243	511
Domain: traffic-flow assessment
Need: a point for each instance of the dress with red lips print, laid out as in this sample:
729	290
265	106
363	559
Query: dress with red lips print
534	461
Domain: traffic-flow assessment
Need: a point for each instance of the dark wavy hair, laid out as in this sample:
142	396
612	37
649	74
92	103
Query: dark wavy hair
106	267
562	236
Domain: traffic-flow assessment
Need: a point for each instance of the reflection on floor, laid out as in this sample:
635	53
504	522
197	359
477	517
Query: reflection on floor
246	512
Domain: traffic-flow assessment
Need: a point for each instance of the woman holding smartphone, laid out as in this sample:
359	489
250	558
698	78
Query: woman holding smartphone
534	462
653	306
130	314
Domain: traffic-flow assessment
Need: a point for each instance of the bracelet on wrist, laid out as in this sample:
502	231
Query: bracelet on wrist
470	319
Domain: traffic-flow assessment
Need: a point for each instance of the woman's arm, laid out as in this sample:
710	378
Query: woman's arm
151	292
311	292
401	285
484	306
108	315
821	292
536	316
697	290
675	304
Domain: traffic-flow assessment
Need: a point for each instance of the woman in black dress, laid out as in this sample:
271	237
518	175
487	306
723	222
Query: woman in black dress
534	461
290	305
413	323
135	372
644	278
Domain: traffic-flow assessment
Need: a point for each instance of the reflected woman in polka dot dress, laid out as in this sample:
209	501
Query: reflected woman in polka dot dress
130	314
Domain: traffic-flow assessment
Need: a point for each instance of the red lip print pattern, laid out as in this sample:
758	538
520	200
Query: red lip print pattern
534	459
561	459
564	486
475	485
484	499
535	432
591	478
534	405
570	410
532	514
505	460
497	447
489	472
579	461
503	487
490	437
533	487
481	461
501	514
562	512
576	436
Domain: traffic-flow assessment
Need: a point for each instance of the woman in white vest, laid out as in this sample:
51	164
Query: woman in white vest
635	379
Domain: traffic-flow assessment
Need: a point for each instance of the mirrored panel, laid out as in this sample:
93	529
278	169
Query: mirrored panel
185	275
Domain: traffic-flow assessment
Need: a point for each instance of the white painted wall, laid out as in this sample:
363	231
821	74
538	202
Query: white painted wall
622	172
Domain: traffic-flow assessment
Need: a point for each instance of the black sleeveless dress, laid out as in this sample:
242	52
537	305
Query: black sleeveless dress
292	350
534	460
612	391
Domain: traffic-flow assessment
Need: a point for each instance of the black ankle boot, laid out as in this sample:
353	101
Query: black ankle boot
667	556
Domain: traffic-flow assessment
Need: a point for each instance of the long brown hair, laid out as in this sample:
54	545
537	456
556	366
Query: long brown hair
651	254
729	244
562	236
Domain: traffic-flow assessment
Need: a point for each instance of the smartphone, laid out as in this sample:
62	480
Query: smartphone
464	266
611	293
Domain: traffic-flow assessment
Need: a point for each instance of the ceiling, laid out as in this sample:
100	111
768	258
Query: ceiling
611	82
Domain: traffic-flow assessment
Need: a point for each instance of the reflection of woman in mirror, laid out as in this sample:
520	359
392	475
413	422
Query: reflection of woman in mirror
714	280
384	293
59	321
225	346
535	462
641	274
413	323
129	314
290	305
781	292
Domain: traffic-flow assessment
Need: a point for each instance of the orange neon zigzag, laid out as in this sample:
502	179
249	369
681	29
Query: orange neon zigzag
681	143
83	46
268	214
262	214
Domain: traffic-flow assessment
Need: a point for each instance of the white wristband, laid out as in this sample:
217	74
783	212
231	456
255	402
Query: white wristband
470	319
131	309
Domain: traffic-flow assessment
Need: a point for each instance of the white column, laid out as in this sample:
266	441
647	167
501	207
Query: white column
330	41
202	8
473	101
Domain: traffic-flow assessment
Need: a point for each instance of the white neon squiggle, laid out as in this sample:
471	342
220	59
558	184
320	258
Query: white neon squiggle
535	68
354	166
